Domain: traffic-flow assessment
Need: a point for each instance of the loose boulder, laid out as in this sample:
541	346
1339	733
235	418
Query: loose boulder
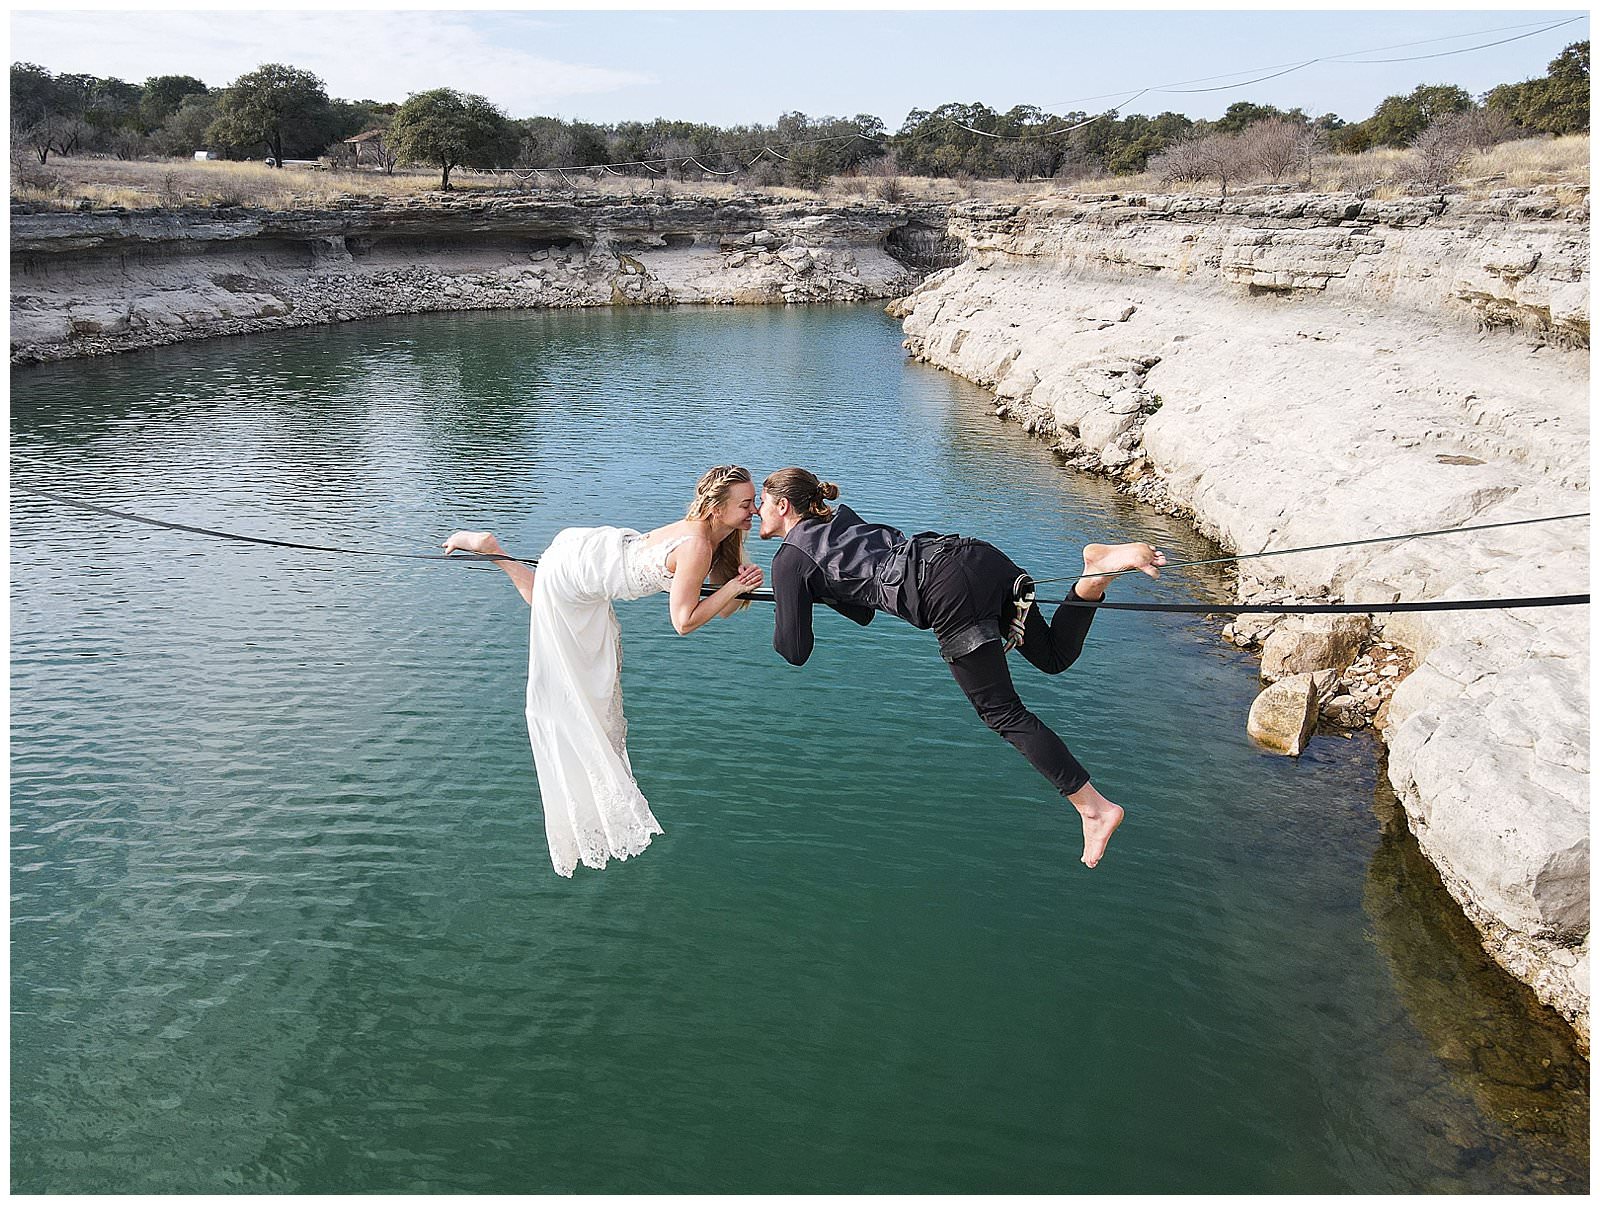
1284	716
1306	643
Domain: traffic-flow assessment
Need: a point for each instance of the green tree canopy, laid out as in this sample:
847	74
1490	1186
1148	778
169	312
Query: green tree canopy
162	94
35	94
1556	104
454	129
1399	119
275	106
187	129
1242	113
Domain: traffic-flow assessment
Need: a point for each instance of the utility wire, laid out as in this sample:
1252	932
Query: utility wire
1417	58
1177	87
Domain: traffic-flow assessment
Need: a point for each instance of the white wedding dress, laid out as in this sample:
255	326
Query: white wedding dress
593	809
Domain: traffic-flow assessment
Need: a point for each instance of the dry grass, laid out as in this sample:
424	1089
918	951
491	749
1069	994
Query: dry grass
99	183
138	184
1531	161
1384	171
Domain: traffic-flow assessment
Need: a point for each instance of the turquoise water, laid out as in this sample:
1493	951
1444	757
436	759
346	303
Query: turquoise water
283	918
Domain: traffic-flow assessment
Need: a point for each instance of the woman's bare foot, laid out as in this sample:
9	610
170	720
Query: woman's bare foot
1100	819
1101	560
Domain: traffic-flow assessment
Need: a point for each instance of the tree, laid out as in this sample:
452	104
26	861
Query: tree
1181	163
185	130
1243	113
275	106
453	129
1210	156
1556	104
35	94
1399	119
110	104
1277	146
1440	151
162	94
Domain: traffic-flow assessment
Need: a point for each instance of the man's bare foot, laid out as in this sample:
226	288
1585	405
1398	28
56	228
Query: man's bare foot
1100	560
1100	819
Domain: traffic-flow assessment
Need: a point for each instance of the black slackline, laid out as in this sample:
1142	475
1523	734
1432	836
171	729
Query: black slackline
1459	604
1250	556
228	535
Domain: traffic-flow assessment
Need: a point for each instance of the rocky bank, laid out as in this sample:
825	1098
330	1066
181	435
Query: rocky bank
111	280
1305	369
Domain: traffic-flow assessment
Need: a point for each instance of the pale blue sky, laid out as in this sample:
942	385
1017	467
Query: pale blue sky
730	67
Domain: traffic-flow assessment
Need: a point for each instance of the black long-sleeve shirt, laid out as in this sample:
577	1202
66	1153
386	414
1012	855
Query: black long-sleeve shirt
846	563
797	583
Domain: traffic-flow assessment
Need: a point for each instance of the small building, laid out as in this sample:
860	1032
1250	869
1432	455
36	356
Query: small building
367	149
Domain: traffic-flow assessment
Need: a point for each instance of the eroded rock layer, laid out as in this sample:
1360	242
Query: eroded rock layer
90	283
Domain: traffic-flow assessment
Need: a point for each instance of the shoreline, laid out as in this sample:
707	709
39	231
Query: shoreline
1214	357
107	282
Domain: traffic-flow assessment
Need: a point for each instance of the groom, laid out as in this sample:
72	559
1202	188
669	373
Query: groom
967	591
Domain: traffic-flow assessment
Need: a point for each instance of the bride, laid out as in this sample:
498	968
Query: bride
593	809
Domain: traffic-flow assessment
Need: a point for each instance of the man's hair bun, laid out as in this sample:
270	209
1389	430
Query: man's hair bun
829	490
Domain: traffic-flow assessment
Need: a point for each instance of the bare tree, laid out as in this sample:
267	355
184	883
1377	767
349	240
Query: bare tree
27	169
1488	127
1271	148
128	144
1440	151
1222	158
888	186
378	152
1178	164
44	137
1312	145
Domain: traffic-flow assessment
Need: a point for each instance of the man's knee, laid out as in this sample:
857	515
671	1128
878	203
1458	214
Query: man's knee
1006	716
1046	658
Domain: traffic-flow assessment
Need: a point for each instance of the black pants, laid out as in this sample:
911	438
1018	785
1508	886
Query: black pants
966	593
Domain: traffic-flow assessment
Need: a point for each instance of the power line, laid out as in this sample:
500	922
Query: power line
1417	58
1177	87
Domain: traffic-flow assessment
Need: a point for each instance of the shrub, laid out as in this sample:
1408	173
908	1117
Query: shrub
1441	150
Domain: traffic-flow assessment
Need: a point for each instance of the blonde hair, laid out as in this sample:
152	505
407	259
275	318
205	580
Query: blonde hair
710	492
806	493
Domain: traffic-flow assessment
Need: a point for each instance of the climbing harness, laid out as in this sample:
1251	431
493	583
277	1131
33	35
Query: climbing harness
1022	599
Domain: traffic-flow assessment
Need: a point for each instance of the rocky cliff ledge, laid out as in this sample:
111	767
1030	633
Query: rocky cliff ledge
1295	370
107	281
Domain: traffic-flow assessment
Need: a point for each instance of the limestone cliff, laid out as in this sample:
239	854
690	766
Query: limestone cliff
1295	370
105	281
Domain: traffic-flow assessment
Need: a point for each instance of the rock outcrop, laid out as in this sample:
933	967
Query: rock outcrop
1301	370
106	281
